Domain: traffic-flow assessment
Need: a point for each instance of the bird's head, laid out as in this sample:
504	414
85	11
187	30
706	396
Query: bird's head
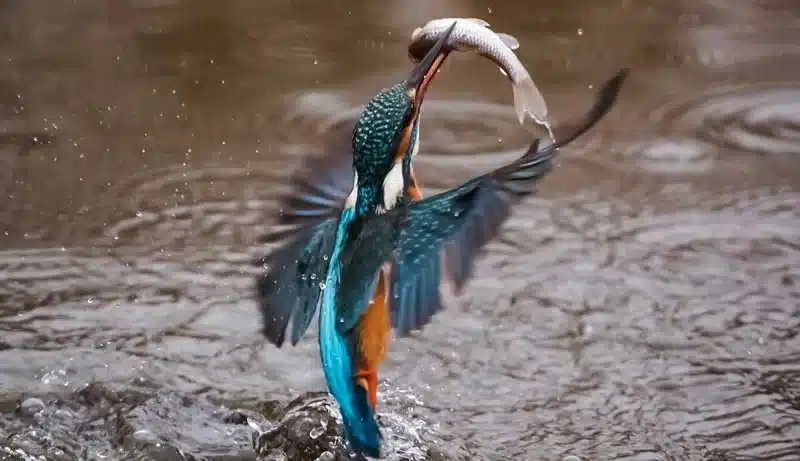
387	128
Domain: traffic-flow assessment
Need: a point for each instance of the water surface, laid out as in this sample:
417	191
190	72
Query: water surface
643	307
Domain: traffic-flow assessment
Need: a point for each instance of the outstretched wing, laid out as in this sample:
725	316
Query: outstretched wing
289	287
320	187
306	228
461	221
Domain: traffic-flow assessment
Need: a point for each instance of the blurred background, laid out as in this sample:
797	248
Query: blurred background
643	306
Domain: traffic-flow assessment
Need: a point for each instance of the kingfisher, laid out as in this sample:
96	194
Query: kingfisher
321	218
346	226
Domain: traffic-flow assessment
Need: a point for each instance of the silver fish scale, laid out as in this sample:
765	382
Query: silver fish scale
471	37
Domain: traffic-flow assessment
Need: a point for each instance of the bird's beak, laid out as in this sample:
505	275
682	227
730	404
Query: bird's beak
417	83
422	74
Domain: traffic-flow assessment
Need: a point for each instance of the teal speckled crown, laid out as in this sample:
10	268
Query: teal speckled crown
377	133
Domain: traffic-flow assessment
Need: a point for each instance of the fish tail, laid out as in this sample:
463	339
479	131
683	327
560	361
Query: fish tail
528	98
338	354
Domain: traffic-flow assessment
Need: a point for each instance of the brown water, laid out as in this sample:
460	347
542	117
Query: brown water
644	307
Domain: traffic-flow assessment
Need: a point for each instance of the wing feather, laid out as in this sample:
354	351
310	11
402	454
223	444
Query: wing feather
460	222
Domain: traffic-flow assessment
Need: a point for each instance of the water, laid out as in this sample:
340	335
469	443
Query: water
643	307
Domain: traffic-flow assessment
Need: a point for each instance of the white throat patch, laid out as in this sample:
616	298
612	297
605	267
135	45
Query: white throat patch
392	187
351	199
393	184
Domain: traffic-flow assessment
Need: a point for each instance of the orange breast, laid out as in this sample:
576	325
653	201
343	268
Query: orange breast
375	328
414	191
403	145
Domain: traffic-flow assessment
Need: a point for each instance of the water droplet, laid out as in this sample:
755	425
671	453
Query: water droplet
313	276
31	406
321	285
316	432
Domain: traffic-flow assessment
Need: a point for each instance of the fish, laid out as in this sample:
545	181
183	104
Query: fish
474	35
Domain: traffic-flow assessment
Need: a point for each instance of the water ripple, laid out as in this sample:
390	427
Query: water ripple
162	209
731	44
695	313
744	118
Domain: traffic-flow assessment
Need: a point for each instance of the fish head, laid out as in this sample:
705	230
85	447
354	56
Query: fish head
423	73
417	84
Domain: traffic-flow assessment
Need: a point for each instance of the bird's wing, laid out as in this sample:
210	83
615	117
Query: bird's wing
290	286
305	233
320	187
461	221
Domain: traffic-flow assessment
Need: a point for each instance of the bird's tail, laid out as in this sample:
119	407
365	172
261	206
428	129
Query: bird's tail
528	98
338	362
